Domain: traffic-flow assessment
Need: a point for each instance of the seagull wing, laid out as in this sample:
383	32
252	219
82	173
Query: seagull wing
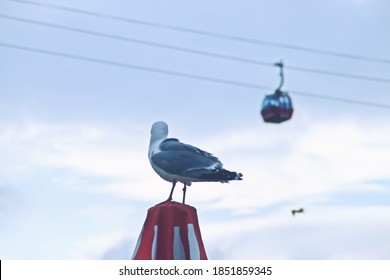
185	160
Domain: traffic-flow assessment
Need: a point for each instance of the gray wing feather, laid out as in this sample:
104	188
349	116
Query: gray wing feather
182	159
173	144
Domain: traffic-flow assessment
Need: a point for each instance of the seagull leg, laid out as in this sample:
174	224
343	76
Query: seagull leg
184	193
170	195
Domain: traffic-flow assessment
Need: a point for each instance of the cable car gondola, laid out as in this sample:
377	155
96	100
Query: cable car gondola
277	107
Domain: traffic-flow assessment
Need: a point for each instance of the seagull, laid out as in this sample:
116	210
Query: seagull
176	162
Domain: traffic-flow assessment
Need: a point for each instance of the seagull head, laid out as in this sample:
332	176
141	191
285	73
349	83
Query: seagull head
159	130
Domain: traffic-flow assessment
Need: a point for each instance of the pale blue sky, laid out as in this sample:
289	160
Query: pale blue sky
75	181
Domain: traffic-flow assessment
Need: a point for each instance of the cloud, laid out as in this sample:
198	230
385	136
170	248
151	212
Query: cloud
321	233
84	148
121	251
318	168
9	202
321	159
100	246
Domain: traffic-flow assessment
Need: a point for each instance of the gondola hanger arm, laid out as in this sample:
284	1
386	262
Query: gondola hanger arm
280	65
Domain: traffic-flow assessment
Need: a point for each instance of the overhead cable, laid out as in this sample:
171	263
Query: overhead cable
207	33
194	51
184	75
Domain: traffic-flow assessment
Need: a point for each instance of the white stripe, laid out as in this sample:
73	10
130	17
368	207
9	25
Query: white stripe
193	243
154	244
138	243
178	248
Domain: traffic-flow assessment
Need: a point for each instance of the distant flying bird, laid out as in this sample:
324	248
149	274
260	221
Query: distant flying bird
297	211
178	162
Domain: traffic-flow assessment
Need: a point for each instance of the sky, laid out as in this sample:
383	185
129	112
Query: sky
75	180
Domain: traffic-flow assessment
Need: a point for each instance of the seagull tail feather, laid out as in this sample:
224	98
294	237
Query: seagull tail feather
223	176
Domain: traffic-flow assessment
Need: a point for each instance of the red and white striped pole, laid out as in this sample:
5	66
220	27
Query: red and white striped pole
170	232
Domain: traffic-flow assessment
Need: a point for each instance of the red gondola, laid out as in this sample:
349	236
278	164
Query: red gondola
277	107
